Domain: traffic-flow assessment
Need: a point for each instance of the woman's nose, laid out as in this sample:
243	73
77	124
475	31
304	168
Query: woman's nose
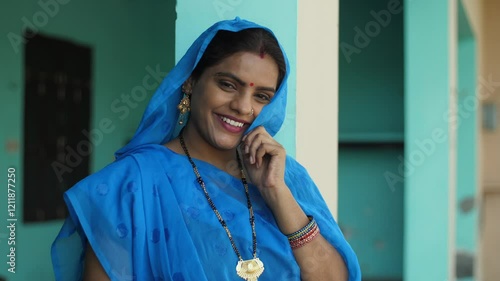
242	103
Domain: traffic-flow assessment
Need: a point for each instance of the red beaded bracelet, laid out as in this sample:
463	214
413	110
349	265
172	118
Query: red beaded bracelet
304	235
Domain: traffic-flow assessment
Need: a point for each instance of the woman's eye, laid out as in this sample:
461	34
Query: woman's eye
263	97
226	85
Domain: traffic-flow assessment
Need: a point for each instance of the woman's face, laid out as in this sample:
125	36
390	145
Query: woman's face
225	95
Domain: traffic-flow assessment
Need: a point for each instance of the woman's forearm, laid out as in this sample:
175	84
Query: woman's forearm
318	260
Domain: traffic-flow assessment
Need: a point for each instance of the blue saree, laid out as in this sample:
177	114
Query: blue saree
146	217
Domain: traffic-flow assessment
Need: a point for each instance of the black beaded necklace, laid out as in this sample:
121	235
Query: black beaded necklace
251	269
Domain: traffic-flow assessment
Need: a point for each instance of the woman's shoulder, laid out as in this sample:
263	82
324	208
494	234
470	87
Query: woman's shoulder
127	167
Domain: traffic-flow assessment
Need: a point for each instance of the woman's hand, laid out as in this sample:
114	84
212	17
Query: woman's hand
264	160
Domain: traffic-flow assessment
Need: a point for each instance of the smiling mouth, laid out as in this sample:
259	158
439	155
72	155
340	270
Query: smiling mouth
231	122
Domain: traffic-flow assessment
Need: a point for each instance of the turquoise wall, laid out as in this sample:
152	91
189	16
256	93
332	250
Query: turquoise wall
280	16
467	143
126	37
370	213
371	134
467	158
371	76
467	226
427	155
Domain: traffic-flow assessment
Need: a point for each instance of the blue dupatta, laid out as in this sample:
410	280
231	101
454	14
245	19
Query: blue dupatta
145	215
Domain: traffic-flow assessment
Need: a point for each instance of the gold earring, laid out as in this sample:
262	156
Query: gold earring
184	107
185	104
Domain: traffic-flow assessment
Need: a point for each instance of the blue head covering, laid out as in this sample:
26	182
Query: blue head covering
145	221
159	122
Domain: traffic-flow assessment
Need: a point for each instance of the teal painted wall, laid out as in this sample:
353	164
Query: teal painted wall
468	131
126	37
280	16
371	134
370	213
427	154
467	145
371	76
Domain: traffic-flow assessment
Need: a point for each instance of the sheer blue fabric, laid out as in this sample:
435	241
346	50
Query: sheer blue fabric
159	122
146	217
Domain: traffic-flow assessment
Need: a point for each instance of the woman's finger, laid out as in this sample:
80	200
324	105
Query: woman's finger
256	141
248	137
266	149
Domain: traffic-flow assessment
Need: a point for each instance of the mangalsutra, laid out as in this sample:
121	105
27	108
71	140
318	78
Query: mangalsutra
251	269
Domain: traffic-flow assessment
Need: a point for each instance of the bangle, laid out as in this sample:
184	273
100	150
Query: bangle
304	235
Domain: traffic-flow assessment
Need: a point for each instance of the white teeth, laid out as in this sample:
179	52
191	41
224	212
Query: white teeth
231	122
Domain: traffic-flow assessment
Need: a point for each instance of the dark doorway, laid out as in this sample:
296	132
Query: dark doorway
56	111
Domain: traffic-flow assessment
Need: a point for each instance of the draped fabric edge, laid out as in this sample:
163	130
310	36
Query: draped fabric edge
298	180
158	126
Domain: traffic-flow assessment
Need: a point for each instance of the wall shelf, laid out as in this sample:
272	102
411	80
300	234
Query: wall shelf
371	139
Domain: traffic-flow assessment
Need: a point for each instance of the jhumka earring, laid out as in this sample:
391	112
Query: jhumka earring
184	107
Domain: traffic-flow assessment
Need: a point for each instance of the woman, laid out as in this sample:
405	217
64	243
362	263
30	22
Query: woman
209	196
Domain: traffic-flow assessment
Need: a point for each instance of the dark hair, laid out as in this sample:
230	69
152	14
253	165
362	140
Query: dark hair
226	43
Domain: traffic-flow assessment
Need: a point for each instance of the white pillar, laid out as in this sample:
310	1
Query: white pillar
317	94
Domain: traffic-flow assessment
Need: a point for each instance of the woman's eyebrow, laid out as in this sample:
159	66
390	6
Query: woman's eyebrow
241	82
232	76
269	89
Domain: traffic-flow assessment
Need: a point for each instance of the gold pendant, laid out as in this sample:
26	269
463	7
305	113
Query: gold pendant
250	270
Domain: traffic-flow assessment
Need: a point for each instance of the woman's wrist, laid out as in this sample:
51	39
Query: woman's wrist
288	214
304	235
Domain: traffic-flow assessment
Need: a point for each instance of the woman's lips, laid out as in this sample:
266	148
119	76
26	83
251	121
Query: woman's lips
232	125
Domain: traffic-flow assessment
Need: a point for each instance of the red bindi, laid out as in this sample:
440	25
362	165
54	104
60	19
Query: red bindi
251	84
